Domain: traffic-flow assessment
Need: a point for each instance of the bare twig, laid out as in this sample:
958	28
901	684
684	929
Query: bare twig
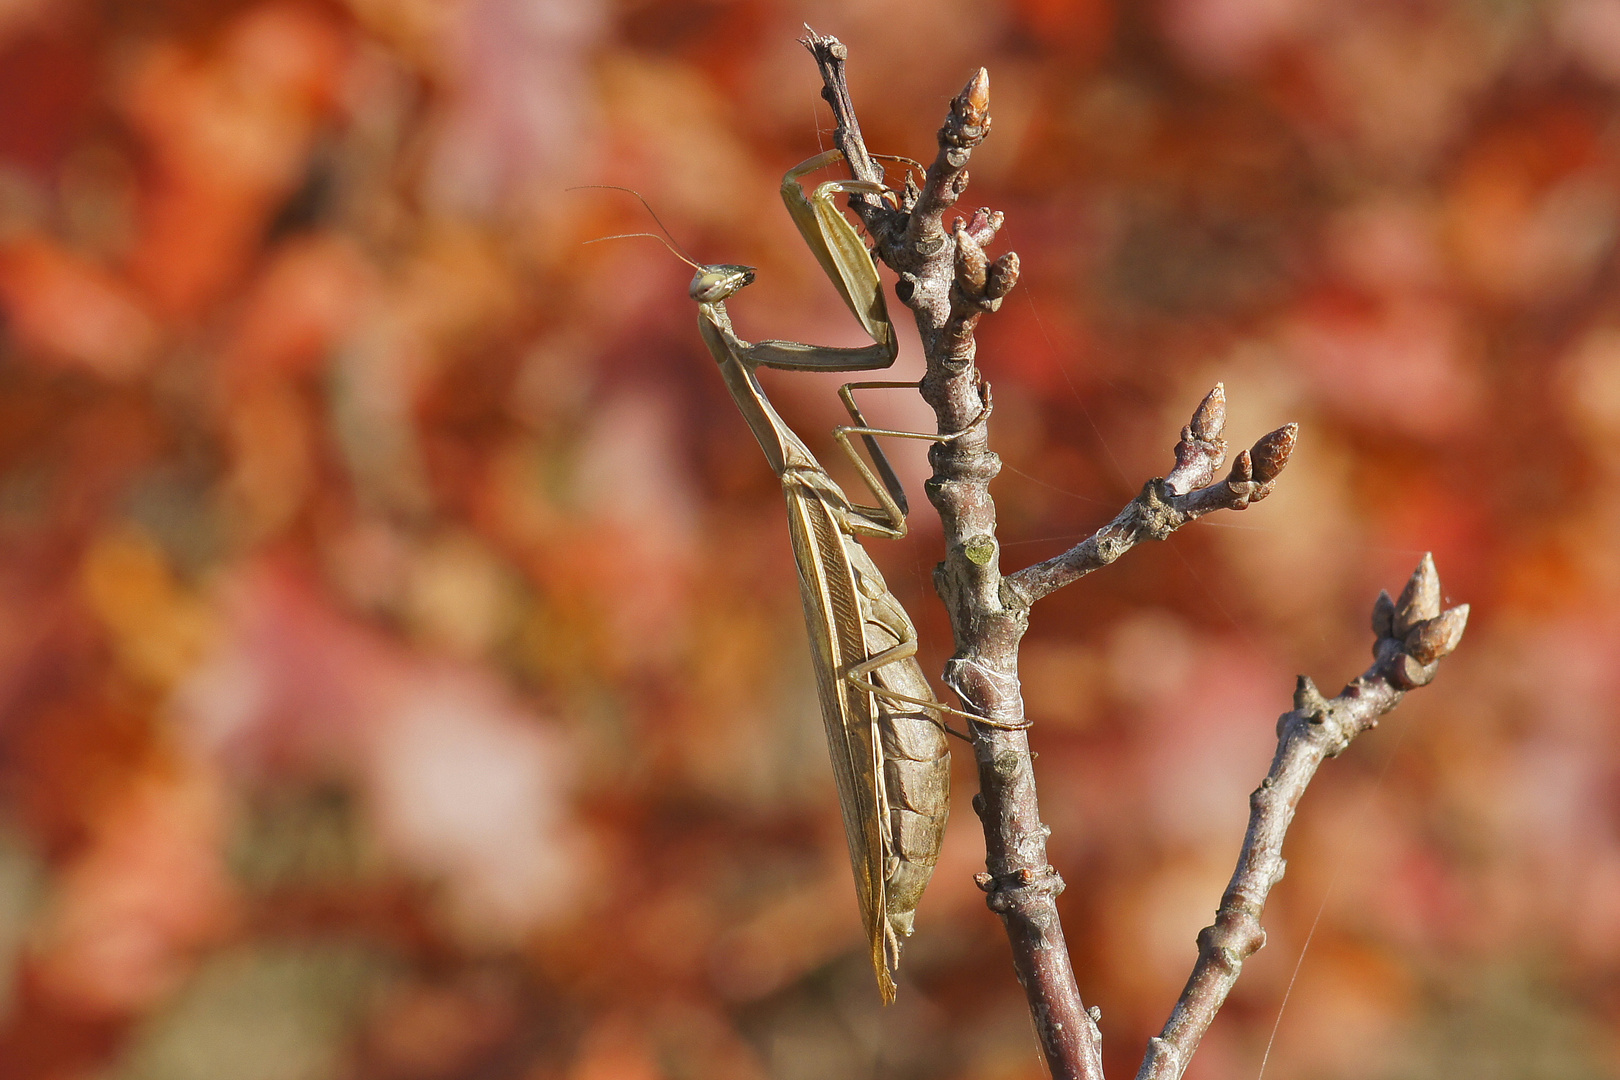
949	282
1412	635
1166	505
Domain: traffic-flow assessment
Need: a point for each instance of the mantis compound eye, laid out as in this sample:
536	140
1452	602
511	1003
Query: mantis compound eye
715	283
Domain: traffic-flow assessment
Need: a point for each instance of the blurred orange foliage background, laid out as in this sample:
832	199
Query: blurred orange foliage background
401	667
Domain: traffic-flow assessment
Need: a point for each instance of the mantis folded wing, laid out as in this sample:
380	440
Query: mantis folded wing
886	741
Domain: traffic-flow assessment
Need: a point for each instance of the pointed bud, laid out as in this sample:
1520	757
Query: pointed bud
1242	469
1209	420
1002	276
1383	615
1201	450
973	103
1307	698
1271	453
971	265
1420	599
1433	638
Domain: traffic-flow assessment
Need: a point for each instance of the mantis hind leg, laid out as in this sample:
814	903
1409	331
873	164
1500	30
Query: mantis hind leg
888	518
858	676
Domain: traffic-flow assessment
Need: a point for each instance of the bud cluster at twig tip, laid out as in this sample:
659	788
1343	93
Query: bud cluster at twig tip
1255	469
1201	451
980	281
1414	634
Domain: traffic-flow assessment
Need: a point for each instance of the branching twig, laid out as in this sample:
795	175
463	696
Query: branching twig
949	282
1412	635
1166	505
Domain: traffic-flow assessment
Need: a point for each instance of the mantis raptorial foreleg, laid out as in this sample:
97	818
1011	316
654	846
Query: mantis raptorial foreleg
847	264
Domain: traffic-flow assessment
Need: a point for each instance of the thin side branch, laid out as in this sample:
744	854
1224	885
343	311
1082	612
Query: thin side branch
1167	504
1412	635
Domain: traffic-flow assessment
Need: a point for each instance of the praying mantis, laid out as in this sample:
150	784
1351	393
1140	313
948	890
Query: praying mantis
884	731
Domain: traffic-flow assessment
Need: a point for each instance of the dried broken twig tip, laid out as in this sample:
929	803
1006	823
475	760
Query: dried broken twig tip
1271	452
1420	599
831	45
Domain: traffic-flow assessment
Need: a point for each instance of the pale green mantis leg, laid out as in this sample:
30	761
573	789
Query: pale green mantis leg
893	525
888	519
848	264
839	248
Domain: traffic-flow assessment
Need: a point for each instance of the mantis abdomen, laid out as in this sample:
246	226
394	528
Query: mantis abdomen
889	756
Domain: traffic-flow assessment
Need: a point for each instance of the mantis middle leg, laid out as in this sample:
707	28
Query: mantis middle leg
889	521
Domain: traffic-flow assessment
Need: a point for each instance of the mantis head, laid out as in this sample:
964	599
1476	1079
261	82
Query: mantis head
712	284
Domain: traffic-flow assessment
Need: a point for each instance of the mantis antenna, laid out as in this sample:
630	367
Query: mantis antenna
674	245
650	236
